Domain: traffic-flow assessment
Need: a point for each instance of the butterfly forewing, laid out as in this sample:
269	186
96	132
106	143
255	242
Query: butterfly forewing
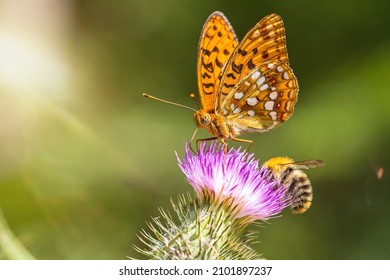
216	45
264	42
263	99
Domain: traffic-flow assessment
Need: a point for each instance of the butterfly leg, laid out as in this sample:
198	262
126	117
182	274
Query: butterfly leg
250	142
192	139
223	140
204	140
225	145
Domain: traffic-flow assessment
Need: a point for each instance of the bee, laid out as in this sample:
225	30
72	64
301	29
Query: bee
291	176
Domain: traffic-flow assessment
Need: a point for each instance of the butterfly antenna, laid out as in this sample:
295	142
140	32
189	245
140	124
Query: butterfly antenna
192	96
166	101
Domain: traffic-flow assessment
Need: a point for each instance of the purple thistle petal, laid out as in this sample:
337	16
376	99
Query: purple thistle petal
235	178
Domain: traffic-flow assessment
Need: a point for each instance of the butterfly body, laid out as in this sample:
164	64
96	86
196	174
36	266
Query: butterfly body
215	124
225	127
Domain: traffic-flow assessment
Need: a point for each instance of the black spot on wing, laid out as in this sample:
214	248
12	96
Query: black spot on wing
237	68
206	75
242	52
250	64
228	85
209	66
206	52
218	63
231	75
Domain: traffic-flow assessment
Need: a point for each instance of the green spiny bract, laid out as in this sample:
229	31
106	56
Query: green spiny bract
201	232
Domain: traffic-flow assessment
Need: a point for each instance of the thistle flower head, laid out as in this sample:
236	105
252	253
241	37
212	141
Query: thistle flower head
234	179
231	193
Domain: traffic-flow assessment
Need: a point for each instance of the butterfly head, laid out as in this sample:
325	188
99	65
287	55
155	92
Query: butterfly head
202	118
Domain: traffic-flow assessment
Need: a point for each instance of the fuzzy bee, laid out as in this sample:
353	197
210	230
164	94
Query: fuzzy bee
294	179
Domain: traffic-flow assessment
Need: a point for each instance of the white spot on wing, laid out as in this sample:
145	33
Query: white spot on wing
286	76
232	106
273	115
273	95
260	81
252	101
237	110
271	65
269	105
255	75
256	34
238	95
279	69
251	113
288	106
264	87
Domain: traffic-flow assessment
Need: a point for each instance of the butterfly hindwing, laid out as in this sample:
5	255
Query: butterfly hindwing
263	99
264	42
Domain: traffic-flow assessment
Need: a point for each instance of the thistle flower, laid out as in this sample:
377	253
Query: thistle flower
231	192
234	180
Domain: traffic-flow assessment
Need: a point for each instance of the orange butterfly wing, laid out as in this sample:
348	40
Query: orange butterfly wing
216	44
263	99
266	41
258	89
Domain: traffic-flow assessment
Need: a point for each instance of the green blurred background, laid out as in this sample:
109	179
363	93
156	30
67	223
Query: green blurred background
85	160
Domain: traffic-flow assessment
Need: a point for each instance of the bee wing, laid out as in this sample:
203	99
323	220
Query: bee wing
305	164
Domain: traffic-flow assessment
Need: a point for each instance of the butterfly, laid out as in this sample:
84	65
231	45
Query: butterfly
244	87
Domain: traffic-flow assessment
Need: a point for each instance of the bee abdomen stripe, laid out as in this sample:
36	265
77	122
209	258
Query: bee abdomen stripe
285	174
